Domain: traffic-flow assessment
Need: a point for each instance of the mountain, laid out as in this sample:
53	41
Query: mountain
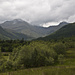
65	31
52	29
21	26
8	34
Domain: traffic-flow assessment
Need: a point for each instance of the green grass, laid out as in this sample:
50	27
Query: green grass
57	70
70	57
67	68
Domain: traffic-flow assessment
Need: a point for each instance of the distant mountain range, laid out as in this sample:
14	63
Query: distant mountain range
65	31
9	34
23	27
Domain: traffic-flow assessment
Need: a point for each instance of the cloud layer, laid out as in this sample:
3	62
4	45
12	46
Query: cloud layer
38	11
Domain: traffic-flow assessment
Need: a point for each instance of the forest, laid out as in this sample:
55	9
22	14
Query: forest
21	54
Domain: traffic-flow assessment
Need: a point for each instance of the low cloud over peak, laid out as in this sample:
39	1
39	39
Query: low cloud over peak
38	11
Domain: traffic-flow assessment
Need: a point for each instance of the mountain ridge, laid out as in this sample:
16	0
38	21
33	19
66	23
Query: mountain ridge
6	35
24	27
65	31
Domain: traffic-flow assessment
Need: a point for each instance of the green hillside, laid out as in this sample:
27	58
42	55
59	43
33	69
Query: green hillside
8	34
65	31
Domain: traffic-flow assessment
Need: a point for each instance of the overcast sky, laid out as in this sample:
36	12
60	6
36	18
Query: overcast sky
38	11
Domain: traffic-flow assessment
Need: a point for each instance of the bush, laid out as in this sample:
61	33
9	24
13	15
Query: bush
60	48
34	55
6	66
61	58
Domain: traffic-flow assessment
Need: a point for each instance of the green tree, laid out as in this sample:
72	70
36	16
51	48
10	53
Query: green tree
61	58
60	48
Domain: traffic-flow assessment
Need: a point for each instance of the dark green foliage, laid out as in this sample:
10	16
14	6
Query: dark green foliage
9	45
41	59
7	65
34	55
60	48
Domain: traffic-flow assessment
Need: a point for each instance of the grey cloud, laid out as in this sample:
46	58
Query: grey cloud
38	11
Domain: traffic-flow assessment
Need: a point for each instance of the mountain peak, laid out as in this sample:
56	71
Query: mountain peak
63	23
18	20
14	21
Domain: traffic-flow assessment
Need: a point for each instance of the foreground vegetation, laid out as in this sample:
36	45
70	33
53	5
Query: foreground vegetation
58	70
67	68
54	57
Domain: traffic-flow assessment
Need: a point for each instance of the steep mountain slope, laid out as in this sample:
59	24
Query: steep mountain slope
34	31
52	29
23	27
8	34
65	31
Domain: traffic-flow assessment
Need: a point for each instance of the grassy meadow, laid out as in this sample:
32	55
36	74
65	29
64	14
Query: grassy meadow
67	68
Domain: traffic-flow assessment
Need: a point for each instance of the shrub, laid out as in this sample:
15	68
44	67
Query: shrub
34	55
59	48
61	58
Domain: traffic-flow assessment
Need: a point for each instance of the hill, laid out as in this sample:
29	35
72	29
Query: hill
24	27
21	26
65	31
8	34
